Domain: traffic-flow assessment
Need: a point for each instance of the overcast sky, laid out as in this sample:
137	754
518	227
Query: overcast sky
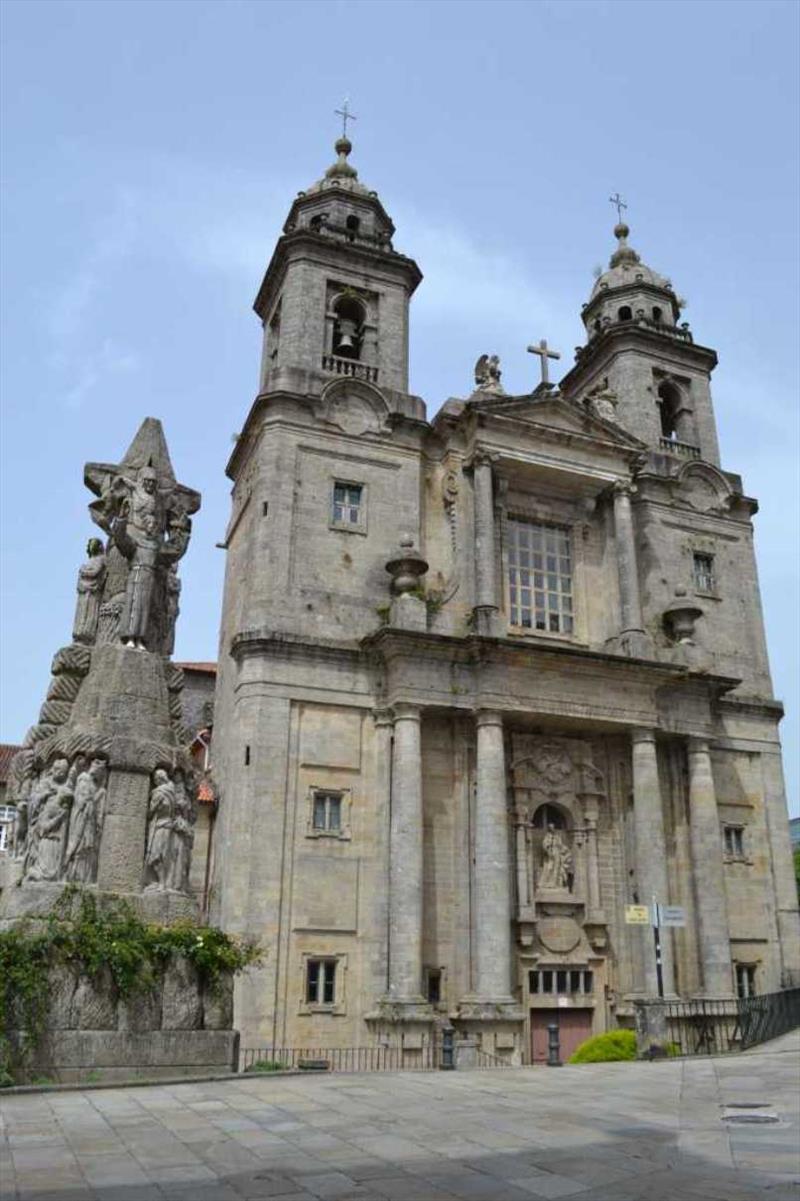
150	152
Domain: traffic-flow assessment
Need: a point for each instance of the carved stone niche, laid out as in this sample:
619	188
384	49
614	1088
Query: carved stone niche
557	793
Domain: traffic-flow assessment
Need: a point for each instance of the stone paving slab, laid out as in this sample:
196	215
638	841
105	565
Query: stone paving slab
613	1132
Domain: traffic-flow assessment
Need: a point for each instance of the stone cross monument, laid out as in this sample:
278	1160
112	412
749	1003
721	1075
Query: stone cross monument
103	785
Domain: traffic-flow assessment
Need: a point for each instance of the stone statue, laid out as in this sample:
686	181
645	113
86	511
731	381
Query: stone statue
91	578
173	608
161	813
46	840
86	823
488	373
182	838
557	861
139	535
603	403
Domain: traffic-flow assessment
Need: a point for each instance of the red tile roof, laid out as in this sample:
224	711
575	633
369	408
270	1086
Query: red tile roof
205	792
7	753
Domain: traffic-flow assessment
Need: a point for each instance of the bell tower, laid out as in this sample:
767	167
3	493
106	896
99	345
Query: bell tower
335	296
639	349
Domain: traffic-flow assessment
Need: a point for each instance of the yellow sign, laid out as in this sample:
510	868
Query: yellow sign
637	915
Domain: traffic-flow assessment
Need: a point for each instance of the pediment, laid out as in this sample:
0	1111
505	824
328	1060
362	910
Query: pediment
560	416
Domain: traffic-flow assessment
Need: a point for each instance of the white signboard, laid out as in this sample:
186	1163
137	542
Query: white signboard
672	915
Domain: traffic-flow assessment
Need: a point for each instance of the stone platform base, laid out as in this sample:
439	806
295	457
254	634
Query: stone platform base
111	1057
19	901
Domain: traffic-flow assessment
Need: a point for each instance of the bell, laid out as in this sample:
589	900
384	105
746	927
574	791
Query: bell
347	338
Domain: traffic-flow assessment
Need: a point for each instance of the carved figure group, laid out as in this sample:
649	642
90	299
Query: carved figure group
556	861
170	834
59	820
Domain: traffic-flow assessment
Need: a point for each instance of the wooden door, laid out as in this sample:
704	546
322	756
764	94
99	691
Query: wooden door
574	1027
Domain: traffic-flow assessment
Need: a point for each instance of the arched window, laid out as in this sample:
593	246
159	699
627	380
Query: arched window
550	815
316	223
670	405
657	315
352	225
625	313
597	326
348	327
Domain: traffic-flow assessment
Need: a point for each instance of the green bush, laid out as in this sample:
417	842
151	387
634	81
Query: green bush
91	938
606	1048
266	1065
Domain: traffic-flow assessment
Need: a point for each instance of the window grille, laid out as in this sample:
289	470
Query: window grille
734	841
745	980
561	982
327	815
321	981
704	573
347	504
540	577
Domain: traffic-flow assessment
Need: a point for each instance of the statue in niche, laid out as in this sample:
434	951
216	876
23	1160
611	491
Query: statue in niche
86	821
556	861
488	374
161	812
48	820
91	578
182	838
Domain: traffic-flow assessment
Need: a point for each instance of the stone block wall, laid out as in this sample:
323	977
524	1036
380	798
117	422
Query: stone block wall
180	1027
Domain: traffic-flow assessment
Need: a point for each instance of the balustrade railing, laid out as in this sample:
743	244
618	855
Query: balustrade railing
351	367
684	450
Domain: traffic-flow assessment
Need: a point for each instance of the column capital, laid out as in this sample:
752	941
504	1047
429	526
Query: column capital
382	717
643	734
488	717
621	488
403	711
697	745
483	458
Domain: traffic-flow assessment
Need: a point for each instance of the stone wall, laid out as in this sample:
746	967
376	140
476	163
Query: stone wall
180	1027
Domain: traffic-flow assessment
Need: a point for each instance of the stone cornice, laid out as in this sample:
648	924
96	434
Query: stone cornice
629	336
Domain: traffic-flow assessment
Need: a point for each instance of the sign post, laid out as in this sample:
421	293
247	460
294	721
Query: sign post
673	916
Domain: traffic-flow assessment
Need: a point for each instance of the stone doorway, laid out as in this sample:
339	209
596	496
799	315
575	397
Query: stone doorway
574	1027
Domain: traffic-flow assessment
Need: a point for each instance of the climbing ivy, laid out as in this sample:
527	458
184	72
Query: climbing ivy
92	939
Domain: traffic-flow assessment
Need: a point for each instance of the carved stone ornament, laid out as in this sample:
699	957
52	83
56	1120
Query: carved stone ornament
170	834
559	935
553	763
488	374
60	819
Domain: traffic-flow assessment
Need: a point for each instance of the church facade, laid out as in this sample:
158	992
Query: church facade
488	680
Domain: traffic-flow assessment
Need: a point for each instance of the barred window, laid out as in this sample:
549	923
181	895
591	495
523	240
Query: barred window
8	815
704	573
564	983
734	841
321	981
745	979
540	577
347	500
327	814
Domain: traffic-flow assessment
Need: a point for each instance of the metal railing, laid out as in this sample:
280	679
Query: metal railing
351	367
767	1016
716	1027
342	1059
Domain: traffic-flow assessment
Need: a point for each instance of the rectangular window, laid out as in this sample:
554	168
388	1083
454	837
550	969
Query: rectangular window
347	504
8	815
567	983
433	982
327	815
321	981
540	577
745	979
734	841
704	573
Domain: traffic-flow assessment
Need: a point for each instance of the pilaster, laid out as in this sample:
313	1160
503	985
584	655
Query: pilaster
707	867
651	866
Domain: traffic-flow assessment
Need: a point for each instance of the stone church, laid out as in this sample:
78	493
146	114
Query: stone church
489	679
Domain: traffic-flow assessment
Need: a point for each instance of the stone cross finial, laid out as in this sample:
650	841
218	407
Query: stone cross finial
346	115
544	354
619	204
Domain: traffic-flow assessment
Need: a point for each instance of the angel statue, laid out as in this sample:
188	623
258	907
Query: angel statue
487	374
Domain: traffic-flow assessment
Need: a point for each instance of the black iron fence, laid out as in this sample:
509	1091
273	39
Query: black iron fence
716	1027
423	1057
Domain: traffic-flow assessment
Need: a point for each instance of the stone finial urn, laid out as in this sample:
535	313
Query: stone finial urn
407	568
680	617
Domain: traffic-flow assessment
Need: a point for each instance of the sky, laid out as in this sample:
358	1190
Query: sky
151	151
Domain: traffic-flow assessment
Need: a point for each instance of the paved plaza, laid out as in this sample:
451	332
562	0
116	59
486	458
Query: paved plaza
611	1132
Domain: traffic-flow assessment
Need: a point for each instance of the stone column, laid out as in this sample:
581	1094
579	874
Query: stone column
492	867
592	873
383	791
706	844
651	865
405	862
633	639
485	574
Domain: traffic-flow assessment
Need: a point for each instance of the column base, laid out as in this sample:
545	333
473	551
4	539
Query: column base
485	620
402	1009
493	1026
636	644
